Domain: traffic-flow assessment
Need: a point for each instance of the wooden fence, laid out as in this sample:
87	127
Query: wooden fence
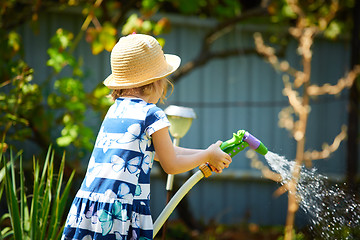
241	92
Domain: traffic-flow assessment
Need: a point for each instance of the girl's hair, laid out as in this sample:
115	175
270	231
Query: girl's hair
146	90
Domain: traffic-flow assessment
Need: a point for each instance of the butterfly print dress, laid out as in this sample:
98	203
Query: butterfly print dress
113	200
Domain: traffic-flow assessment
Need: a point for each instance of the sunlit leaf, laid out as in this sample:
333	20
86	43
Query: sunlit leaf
146	26
130	25
288	12
96	47
333	30
64	141
100	92
109	29
108	36
14	41
62	39
161	41
162	26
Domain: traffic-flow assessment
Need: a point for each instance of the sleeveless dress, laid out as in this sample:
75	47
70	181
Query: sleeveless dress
113	200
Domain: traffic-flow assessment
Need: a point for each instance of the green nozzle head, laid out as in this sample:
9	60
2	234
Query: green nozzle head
255	143
262	149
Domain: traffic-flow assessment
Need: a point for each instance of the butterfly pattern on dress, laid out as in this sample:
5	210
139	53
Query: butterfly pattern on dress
138	190
74	217
107	218
87	237
132	135
91	214
103	141
119	164
135	236
118	235
120	109
147	162
124	192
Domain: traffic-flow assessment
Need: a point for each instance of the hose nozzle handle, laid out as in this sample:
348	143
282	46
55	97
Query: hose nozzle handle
240	141
255	143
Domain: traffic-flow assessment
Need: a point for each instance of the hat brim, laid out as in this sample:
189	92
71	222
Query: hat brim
173	62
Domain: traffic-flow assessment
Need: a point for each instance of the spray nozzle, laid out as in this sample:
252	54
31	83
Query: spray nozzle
255	143
240	141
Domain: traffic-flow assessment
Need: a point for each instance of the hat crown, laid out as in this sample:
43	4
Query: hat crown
133	48
137	60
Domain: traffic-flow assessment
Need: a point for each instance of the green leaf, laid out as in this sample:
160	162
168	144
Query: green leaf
64	141
288	12
108	36
6	232
14	41
56	60
2	171
146	26
57	208
333	30
148	5
34	204
131	24
101	92
12	199
62	39
47	195
96	47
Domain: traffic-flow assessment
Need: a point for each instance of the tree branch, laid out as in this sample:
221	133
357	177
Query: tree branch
292	95
225	27
205	55
327	150
270	55
345	82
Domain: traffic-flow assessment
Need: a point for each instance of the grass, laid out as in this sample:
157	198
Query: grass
35	215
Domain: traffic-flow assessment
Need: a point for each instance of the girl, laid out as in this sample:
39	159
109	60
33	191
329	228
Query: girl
113	201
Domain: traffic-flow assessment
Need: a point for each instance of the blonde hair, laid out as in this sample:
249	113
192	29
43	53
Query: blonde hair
146	90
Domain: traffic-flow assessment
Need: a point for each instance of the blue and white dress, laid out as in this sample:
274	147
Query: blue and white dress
113	201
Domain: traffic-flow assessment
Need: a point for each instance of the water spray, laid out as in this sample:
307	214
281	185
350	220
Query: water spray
233	146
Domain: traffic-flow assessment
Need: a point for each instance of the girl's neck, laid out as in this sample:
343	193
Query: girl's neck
131	93
145	98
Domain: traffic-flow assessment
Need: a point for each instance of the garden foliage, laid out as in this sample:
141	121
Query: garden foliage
37	214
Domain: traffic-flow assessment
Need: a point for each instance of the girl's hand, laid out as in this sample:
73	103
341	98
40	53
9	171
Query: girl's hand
218	159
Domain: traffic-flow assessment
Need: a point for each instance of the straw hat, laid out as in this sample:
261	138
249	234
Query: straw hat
137	60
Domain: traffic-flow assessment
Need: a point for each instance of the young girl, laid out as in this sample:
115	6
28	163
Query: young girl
113	201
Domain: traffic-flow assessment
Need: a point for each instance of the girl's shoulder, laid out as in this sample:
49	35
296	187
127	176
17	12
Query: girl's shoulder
156	111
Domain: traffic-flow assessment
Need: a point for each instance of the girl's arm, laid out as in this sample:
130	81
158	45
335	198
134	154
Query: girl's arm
186	151
176	160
